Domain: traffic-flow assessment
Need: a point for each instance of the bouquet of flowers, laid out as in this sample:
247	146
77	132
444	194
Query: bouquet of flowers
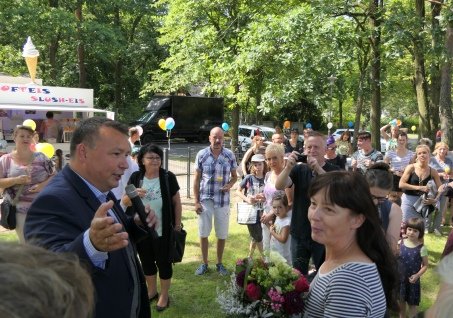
261	289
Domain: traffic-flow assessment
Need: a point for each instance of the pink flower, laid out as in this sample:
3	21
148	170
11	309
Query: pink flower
253	291
301	285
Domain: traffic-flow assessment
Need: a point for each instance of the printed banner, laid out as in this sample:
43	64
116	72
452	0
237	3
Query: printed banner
30	94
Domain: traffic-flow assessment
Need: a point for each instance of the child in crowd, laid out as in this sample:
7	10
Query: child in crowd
251	191
413	264
280	240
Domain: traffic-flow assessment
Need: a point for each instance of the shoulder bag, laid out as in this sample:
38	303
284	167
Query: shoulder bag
246	213
177	238
8	211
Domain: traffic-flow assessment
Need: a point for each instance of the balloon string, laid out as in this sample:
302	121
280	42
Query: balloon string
168	136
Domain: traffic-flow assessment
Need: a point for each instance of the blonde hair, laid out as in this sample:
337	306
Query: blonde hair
422	146
439	145
277	149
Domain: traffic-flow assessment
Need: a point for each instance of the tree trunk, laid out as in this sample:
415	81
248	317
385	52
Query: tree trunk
118	70
359	105
434	89
375	111
80	46
446	118
421	87
53	48
235	120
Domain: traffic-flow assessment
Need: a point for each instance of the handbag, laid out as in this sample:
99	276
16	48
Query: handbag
8	211
8	215
246	213
423	209
177	238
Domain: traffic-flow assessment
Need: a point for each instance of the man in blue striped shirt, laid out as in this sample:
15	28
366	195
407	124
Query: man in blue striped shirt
215	175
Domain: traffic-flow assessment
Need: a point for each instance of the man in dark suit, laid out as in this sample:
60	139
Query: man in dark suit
77	213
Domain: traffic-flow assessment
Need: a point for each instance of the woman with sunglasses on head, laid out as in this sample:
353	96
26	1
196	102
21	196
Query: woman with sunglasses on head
380	180
23	174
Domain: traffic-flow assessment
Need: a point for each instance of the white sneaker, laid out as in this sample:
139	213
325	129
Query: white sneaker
437	232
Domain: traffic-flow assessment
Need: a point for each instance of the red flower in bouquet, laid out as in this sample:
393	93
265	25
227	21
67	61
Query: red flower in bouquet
293	303
301	285
253	291
240	277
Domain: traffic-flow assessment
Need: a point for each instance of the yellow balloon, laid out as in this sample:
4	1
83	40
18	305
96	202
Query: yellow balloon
30	123
413	128
287	124
161	124
46	149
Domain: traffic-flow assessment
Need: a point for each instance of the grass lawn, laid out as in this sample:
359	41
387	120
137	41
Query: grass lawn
194	296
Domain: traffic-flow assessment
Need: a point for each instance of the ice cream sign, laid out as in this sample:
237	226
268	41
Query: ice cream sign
32	94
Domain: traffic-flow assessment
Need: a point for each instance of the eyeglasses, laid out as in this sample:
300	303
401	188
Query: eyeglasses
152	158
379	199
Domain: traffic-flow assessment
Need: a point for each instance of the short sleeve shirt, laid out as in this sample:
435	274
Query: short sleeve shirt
301	176
215	173
374	155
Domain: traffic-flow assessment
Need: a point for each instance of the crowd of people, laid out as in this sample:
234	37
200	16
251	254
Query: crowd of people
356	233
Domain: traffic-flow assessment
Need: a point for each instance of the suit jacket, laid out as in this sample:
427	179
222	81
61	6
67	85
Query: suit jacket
57	219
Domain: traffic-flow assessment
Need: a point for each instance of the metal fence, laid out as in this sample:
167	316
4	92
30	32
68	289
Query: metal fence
183	166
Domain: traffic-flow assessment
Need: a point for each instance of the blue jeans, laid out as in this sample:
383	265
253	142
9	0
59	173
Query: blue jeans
302	250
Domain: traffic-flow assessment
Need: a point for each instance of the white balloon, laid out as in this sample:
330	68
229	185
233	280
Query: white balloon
329	125
139	129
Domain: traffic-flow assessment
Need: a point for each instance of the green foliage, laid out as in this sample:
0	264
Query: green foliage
269	57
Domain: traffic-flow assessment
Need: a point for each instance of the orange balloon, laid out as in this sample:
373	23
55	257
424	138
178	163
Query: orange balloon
287	124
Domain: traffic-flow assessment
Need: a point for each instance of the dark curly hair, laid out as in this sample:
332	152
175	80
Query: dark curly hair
350	190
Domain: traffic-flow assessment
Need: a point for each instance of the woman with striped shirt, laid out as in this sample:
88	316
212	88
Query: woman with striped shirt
358	276
398	159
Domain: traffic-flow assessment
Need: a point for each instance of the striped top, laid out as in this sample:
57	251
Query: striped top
350	290
399	163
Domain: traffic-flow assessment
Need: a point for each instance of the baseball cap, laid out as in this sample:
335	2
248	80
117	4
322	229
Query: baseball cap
258	158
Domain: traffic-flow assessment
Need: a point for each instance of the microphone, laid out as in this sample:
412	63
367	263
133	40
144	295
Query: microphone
139	208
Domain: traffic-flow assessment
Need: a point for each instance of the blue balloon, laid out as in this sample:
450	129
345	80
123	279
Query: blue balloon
308	125
225	127
169	123
350	124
